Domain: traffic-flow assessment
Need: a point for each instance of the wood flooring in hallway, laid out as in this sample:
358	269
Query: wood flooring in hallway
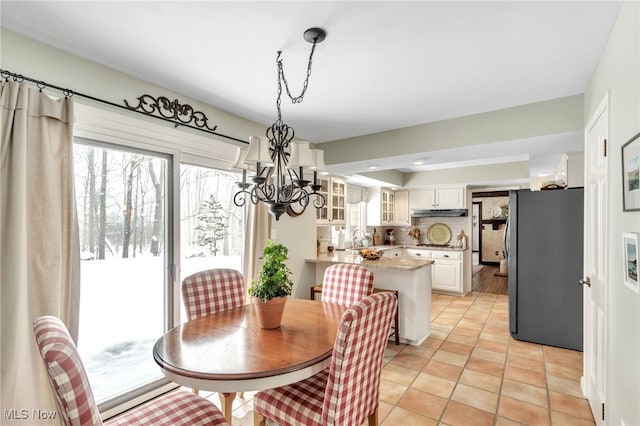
486	281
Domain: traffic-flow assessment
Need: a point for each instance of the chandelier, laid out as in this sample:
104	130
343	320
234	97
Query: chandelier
278	161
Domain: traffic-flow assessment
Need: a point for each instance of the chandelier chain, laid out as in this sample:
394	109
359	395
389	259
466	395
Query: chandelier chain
283	79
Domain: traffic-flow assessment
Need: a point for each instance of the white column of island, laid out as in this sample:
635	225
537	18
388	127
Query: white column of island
410	277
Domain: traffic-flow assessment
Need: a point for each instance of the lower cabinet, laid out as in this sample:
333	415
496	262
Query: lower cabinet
447	271
447	275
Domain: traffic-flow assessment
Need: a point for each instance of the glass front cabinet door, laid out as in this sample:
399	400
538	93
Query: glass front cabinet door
322	214
334	211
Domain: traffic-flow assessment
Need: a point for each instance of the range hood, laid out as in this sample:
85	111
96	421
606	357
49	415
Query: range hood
439	213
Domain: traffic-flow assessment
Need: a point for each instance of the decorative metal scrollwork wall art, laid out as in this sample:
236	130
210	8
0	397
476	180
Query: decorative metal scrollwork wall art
171	110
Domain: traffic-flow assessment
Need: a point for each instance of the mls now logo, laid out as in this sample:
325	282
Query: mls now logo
16	414
24	414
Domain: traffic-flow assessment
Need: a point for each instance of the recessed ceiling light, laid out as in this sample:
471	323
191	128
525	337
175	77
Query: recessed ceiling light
418	162
372	167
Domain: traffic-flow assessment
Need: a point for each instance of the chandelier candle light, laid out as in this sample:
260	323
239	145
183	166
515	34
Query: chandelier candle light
279	161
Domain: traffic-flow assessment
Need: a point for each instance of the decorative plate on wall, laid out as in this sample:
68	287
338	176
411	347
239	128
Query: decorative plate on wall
439	233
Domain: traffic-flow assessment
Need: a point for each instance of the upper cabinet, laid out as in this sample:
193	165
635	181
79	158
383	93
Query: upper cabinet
387	208
450	198
437	199
380	207
401	215
334	210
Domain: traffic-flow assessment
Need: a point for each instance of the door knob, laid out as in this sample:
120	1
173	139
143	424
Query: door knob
586	281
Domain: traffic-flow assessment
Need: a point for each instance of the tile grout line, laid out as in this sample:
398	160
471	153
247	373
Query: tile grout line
449	310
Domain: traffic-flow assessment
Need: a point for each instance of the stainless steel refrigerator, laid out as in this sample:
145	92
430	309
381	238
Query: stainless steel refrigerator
544	248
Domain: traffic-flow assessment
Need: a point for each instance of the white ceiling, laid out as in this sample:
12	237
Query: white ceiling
384	65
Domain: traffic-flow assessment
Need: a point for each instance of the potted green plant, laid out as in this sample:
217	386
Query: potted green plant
270	290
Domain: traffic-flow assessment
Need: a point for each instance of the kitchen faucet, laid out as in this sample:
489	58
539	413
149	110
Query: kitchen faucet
358	242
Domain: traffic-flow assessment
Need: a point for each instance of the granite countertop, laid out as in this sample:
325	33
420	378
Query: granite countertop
402	246
351	256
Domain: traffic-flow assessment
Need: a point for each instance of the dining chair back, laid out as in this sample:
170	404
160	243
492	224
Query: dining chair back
346	393
74	398
207	292
211	291
346	284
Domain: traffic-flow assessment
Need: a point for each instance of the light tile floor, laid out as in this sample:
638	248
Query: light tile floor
471	372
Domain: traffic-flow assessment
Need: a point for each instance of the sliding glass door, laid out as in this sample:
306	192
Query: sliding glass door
211	225
124	206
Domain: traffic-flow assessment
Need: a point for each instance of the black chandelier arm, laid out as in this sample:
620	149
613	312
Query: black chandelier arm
291	194
319	201
297	178
240	198
302	200
288	194
263	192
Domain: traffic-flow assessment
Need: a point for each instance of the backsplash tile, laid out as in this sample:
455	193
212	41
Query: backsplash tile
456	224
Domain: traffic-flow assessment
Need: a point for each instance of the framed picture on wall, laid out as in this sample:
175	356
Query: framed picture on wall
630	261
631	174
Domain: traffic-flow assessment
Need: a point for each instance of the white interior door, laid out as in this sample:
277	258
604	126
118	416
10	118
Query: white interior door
595	262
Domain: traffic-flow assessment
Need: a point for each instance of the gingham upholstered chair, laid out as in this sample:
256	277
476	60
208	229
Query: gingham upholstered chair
74	398
347	392
208	292
346	284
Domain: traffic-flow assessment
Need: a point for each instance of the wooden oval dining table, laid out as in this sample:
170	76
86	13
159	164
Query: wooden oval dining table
229	352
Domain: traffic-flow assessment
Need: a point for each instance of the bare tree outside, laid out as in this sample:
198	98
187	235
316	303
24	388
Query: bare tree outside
102	207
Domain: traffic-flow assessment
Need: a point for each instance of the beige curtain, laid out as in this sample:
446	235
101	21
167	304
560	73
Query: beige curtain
257	230
39	246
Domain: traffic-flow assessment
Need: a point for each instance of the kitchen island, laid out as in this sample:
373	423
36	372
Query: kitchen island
410	277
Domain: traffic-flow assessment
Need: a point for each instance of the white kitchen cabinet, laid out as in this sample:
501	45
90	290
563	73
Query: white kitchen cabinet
417	253
450	198
423	199
393	253
334	210
437	199
386	209
447	271
447	276
380	207
401	216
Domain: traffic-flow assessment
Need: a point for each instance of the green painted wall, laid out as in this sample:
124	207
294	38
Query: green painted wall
538	119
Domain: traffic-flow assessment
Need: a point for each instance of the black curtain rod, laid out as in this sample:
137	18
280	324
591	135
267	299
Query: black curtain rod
69	93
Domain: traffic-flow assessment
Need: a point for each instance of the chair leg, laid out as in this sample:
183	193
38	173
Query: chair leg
258	419
227	405
373	419
397	327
